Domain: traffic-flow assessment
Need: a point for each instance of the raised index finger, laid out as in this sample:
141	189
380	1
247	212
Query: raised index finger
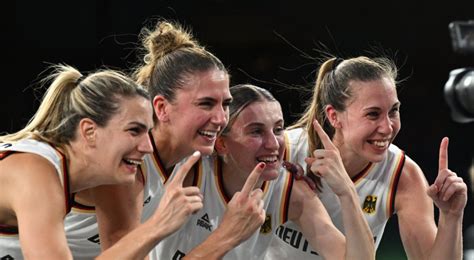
443	154
327	143
253	179
184	169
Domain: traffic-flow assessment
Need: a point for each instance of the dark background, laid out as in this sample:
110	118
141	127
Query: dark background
244	35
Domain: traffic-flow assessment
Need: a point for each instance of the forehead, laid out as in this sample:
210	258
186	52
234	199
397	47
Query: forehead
376	93
134	109
265	112
213	81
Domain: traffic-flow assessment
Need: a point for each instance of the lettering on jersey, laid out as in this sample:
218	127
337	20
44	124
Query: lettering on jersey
204	222
94	239
294	238
178	255
147	201
5	145
7	257
369	204
267	225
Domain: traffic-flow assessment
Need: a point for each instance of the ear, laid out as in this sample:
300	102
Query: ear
161	108
88	131
333	116
220	146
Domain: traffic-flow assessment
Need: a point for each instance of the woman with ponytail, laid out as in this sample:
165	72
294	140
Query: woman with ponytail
189	90
356	103
88	131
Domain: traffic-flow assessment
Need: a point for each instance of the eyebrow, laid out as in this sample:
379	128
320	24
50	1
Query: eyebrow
255	124
213	99
139	125
397	104
261	124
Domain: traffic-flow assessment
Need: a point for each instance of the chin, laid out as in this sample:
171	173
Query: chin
375	158
269	175
128	179
205	150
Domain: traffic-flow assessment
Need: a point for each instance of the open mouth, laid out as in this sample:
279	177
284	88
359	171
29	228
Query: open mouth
208	134
381	144
268	159
132	162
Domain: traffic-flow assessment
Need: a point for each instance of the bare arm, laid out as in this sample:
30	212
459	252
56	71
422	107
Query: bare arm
244	215
118	210
420	236
307	211
175	207
327	163
39	206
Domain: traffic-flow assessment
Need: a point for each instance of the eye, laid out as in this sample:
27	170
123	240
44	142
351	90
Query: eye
134	131
279	130
394	112
373	114
226	103
206	104
256	131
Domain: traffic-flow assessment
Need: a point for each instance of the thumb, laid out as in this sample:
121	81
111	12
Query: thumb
432	191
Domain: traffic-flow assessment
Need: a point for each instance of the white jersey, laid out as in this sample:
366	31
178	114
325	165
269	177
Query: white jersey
201	224
9	240
376	186
81	223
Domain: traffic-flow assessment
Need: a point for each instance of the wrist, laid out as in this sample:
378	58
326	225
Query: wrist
160	230
451	217
214	247
348	193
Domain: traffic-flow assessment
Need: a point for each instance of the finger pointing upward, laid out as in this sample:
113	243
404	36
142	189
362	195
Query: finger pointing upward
443	154
184	169
327	143
253	179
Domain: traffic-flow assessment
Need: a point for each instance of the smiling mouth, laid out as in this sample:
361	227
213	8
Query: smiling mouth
268	159
132	161
380	143
208	134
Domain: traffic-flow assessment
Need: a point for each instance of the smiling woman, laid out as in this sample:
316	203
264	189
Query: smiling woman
355	101
190	95
255	137
69	145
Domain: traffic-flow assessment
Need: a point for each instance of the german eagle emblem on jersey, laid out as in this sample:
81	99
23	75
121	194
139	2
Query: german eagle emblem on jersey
369	204
267	225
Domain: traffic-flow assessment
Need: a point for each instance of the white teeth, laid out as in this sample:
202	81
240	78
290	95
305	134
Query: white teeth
380	143
210	134
267	159
131	161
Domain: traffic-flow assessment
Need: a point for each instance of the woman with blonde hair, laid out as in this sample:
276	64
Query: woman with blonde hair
355	101
88	131
189	90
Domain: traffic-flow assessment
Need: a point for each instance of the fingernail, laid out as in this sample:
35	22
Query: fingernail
197	153
261	166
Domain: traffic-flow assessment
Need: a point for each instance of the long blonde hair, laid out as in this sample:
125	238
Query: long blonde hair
71	97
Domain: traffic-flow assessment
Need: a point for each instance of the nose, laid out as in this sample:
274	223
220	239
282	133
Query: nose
271	142
145	145
220	116
386	125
